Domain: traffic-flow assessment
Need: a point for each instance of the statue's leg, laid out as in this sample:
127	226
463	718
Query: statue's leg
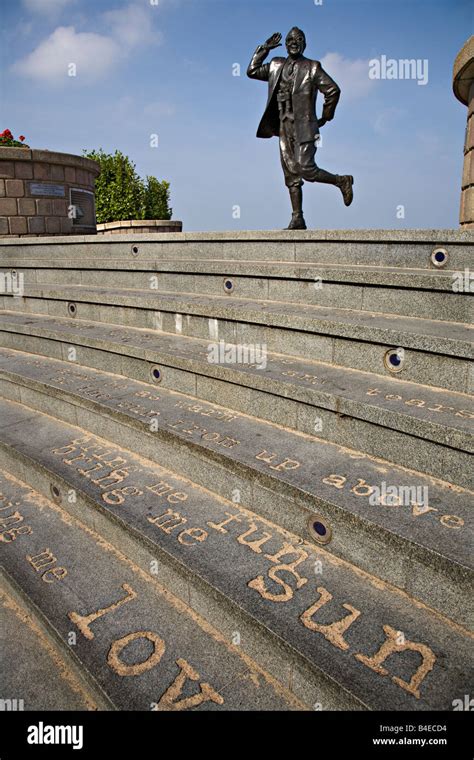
297	218
293	178
312	173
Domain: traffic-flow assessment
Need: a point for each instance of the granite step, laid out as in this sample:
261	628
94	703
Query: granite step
431	335
407	292
31	660
394	248
164	558
43	270
429	430
145	648
439	351
436	370
412	530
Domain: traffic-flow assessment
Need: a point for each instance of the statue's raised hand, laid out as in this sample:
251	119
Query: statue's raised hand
273	42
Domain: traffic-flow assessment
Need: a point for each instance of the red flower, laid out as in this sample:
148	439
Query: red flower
22	137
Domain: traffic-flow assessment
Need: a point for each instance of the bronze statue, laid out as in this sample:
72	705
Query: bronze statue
293	85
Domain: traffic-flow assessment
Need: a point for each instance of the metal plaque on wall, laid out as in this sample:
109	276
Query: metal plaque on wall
46	188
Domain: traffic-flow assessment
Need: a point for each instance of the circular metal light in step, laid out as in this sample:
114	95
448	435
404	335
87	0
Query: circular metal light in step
319	529
228	285
439	257
135	250
72	309
55	493
394	359
156	374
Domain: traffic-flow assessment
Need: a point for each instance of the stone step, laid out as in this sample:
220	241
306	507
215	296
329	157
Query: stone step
394	248
164	558
413	426
142	308
408	292
429	358
138	270
31	660
423	533
117	619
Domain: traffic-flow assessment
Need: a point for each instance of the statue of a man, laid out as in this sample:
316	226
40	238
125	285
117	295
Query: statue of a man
293	85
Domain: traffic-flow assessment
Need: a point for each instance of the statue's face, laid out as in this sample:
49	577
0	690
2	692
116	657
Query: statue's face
295	44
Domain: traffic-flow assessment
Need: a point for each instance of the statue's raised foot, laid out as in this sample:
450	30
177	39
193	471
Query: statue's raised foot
346	188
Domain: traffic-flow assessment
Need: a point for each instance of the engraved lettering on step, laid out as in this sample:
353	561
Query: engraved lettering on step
219	527
11	520
206	694
420	403
191	536
333	632
147	394
422	509
70	447
138	410
389	647
364	489
121	668
168	521
258	583
115	476
45	563
117	462
84	622
117	496
257	543
204	434
162	488
452	521
285	464
312	379
218	414
338	481
8	530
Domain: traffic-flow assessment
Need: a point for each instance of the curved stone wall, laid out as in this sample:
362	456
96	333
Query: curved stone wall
46	193
463	86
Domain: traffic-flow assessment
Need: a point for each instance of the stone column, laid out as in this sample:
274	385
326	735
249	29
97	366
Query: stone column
463	86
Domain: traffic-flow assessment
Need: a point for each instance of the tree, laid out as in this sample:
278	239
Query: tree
121	194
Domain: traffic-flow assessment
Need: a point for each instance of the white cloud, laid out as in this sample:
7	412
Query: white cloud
46	7
131	25
352	76
93	54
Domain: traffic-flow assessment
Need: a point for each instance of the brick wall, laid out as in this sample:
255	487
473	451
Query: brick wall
33	211
463	86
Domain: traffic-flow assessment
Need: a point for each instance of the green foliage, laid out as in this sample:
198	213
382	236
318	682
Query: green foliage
121	194
157	199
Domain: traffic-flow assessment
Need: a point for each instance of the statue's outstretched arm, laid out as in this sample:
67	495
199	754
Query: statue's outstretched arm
257	69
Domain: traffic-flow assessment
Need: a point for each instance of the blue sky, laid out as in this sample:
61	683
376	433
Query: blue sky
165	67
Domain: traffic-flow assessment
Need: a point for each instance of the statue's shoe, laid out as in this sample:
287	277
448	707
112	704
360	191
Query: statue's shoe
297	222
346	188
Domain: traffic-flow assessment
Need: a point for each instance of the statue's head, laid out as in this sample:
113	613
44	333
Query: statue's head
295	42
